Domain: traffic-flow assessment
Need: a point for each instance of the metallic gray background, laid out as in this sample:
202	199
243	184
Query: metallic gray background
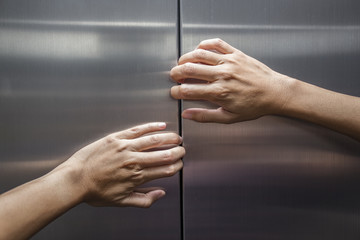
275	178
73	71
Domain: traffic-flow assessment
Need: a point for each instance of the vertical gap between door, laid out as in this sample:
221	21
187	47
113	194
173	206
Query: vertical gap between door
180	123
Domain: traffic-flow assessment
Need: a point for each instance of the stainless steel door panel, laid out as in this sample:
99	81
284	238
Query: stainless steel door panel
275	178
73	71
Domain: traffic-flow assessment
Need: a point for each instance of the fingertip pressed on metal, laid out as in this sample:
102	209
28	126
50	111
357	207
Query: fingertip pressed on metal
162	125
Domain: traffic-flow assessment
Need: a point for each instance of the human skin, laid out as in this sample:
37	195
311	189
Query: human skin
107	172
246	89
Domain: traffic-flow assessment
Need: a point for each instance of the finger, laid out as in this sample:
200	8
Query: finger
143	198
140	130
156	140
163	147
147	189
201	56
193	70
159	158
162	171
195	92
209	115
216	44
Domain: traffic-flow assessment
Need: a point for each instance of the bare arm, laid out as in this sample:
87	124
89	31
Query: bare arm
336	111
107	172
246	89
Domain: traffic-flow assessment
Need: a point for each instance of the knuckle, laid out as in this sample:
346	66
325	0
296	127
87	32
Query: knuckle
221	61
218	42
238	56
121	145
230	59
134	165
184	91
224	74
110	139
154	139
170	171
203	118
199	54
219	92
137	176
146	203
174	137
187	92
118	144
173	168
188	69
167	156
135	131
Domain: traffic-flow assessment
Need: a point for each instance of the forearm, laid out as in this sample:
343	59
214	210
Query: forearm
28	208
333	110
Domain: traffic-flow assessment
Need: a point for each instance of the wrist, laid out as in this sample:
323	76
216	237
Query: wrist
286	89
68	179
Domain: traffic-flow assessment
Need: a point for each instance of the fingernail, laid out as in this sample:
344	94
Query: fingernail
187	115
162	125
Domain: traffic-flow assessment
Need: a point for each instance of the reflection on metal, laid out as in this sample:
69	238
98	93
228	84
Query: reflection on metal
103	24
15	167
237	27
40	44
59	44
5	91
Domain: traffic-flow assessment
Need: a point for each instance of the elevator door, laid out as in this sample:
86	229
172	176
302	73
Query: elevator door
72	72
275	178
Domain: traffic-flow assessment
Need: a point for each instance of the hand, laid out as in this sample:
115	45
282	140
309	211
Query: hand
104	173
243	87
112	168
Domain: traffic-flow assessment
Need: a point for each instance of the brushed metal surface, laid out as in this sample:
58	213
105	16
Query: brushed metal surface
275	178
73	71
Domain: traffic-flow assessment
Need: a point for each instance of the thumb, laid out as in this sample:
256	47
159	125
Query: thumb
219	115
143	198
